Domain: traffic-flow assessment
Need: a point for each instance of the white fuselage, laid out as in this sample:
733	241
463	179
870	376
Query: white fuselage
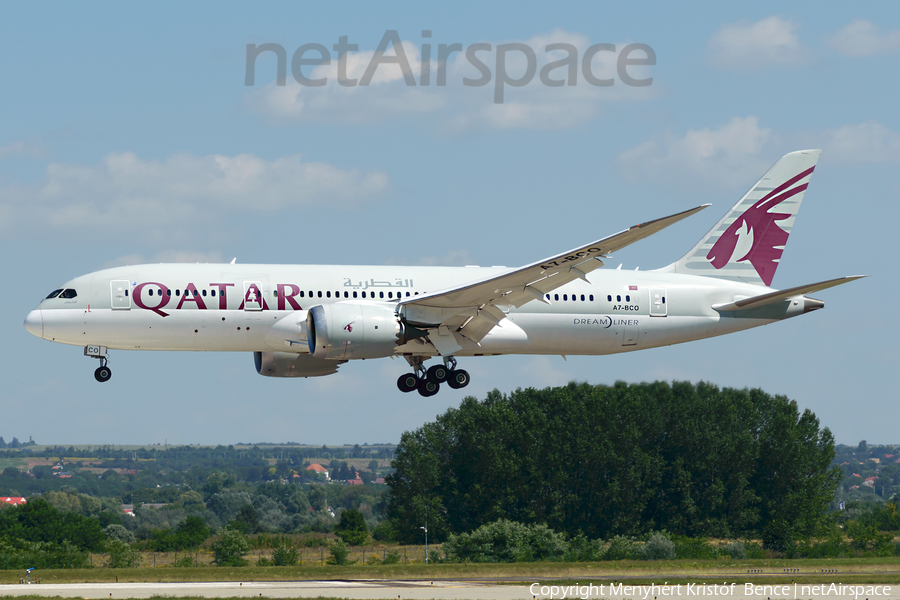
255	308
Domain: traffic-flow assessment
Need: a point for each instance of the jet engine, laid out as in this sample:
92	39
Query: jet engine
288	364
348	330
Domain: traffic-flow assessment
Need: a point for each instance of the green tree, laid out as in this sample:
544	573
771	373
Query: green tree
118	532
694	460
230	549
37	521
340	553
284	554
352	528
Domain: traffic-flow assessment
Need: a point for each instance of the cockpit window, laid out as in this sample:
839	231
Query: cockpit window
68	294
53	294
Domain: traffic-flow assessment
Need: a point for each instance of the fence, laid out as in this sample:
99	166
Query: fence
205	558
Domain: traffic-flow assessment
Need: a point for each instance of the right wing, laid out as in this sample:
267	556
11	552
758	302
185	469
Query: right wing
473	309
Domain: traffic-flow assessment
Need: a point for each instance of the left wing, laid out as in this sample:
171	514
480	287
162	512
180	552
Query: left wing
473	309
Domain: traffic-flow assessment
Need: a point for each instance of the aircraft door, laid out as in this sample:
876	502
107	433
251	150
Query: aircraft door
630	333
120	294
253	299
658	302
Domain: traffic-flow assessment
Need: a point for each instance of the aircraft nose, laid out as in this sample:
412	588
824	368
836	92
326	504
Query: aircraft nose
34	323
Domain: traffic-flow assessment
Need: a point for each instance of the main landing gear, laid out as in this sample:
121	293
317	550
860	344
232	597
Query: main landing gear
103	373
428	382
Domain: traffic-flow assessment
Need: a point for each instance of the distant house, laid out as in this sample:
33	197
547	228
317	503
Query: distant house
14	500
854	487
870	481
857	475
318	469
379	480
889	456
356	481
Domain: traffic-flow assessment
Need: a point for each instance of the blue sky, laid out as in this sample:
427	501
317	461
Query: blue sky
129	136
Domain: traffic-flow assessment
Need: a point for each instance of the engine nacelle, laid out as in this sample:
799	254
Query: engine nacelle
347	330
288	364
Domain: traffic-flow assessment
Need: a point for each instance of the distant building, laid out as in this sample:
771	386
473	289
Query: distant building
379	480
318	469
14	500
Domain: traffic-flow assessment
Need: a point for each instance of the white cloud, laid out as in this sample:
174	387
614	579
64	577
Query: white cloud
456	106
124	191
31	148
165	256
730	155
768	42
864	38
452	258
864	142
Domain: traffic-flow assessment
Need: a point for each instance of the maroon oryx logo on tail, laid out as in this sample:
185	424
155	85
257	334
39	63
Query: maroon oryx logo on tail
766	237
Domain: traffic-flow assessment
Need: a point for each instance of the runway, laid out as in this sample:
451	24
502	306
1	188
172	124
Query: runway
362	590
424	590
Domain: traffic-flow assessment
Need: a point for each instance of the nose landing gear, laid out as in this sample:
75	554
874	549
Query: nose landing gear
428	382
103	373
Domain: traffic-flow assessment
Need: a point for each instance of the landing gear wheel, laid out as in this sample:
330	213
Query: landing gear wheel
102	374
407	382
427	387
458	378
438	373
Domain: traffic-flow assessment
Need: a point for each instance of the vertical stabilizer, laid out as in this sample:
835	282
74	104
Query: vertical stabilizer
746	245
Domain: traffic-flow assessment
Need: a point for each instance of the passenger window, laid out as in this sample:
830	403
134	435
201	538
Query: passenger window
664	299
565	297
582	297
627	298
592	297
168	292
609	298
556	296
275	293
212	292
354	294
177	292
364	294
54	294
150	292
126	293
346	295
196	293
618	298
381	294
390	294
301	293
548	296
328	294
320	294
204	293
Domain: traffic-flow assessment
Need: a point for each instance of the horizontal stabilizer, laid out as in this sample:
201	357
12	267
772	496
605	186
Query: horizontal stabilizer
773	297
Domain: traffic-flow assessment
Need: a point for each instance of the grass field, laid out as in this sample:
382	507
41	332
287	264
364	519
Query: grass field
12	462
870	570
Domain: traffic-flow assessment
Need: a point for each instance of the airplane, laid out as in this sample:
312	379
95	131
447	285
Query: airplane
308	320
